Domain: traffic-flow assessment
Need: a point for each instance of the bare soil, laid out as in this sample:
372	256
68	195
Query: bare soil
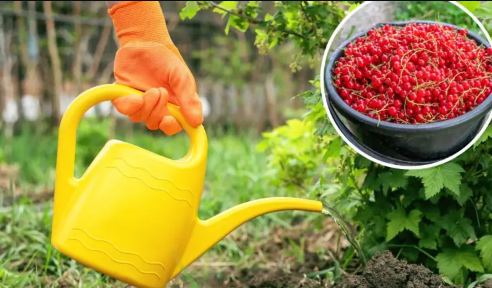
385	271
279	278
382	271
280	271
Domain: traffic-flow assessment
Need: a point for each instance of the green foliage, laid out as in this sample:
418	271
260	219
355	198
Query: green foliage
2	156
190	10
399	221
435	179
21	148
480	280
439	210
91	137
439	11
470	5
483	13
451	261
458	228
306	24
484	245
294	158
226	61
485	136
439	217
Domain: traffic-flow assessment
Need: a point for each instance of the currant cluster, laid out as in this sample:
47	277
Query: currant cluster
419	73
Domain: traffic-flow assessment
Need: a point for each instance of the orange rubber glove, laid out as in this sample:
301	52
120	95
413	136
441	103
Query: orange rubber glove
148	60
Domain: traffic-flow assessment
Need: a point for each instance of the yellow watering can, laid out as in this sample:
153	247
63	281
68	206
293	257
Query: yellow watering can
133	214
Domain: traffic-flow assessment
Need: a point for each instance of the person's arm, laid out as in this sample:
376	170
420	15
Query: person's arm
148	60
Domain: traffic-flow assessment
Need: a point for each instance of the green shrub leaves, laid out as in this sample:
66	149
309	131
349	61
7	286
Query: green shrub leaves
451	261
485	248
399	221
434	179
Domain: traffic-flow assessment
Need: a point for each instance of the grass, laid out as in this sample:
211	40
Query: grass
235	174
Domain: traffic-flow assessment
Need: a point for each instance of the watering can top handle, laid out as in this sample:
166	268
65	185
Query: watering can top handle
98	94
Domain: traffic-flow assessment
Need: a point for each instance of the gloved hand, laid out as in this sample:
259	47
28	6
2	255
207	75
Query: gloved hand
148	60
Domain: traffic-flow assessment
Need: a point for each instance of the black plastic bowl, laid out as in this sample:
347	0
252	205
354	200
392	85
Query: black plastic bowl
404	144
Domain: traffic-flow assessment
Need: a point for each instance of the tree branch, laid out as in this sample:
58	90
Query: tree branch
250	19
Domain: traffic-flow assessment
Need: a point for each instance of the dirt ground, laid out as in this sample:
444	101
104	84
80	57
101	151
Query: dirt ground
279	278
280	271
278	268
385	271
382	271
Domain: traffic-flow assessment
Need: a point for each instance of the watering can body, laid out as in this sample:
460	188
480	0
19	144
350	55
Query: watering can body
133	213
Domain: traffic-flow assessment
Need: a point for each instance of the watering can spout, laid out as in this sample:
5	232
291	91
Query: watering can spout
209	232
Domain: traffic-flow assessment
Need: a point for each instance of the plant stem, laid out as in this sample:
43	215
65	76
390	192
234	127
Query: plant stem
476	212
251	20
364	197
415	247
473	169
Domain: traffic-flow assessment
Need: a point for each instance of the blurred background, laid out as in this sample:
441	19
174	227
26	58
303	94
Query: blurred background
52	51
396	11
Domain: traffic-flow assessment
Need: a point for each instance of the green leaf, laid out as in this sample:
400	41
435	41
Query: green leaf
409	198
486	135
261	33
465	193
484	245
190	10
462	231
459	228
229	5
334	148
480	280
353	6
450	261
436	178
371	181
230	21
410	254
361	162
484	11
310	98
428	237
263	145
273	43
431	212
252	8
268	17
237	22
400	221
470	5
393	179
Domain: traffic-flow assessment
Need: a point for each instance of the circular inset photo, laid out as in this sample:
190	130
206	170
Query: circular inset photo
409	91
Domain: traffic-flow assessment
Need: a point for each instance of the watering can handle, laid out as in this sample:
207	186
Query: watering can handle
72	116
